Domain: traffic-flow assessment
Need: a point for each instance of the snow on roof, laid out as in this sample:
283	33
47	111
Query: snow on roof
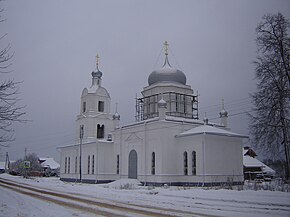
252	162
181	119
85	141
49	162
206	129
193	121
249	161
93	89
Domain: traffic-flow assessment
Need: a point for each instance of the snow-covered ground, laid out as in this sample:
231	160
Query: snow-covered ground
191	200
13	204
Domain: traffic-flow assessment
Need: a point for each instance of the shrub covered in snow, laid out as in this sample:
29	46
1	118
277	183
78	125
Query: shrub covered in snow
126	184
274	185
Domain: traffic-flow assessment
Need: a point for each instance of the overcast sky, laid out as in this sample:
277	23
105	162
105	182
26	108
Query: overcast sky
55	44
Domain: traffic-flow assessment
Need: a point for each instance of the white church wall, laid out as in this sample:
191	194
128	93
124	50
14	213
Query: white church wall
223	157
132	139
105	161
67	170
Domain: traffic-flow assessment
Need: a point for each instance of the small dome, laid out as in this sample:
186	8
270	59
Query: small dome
223	113
97	74
162	103
167	74
205	120
116	116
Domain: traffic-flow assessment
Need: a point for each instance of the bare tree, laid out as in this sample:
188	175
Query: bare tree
9	110
270	116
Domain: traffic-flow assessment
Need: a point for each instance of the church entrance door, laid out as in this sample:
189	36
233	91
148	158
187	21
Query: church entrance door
132	165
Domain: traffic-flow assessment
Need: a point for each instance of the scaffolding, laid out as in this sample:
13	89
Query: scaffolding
178	105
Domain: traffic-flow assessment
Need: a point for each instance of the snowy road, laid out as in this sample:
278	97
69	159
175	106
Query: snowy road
117	199
86	204
13	204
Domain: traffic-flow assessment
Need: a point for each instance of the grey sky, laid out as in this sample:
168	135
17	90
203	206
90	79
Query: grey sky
55	44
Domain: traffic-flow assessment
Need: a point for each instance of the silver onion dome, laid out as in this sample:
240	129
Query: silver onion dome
116	116
167	74
97	74
223	113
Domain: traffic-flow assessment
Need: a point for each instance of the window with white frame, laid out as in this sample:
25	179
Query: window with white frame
194	163
65	165
185	163
68	168
118	164
153	163
89	164
93	164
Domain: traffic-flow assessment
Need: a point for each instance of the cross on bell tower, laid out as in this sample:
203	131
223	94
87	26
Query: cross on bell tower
97	74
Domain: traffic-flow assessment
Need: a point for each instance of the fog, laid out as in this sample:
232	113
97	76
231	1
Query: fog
55	44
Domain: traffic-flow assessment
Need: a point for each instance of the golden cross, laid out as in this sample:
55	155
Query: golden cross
166	47
97	60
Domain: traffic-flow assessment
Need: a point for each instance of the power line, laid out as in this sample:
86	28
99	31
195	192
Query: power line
226	103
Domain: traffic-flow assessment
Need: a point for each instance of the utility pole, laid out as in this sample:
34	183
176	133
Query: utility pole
7	163
25	151
81	140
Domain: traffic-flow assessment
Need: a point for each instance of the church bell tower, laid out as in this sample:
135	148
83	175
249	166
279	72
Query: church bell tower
95	119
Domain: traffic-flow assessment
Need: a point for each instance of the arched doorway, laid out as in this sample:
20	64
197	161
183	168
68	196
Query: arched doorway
132	170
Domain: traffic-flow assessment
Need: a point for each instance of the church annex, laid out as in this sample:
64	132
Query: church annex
167	144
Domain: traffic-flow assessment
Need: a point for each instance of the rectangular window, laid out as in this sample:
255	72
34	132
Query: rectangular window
89	164
101	106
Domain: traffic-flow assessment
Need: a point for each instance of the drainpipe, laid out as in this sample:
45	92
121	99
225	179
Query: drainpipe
97	160
203	159
145	145
120	159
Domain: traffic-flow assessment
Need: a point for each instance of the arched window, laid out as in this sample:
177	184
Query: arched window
118	164
194	163
185	163
153	163
65	165
100	131
93	164
89	164
76	165
68	167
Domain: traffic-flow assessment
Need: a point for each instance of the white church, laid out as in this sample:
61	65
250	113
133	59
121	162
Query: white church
167	144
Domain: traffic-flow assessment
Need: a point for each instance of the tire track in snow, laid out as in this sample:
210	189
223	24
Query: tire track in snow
99	208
